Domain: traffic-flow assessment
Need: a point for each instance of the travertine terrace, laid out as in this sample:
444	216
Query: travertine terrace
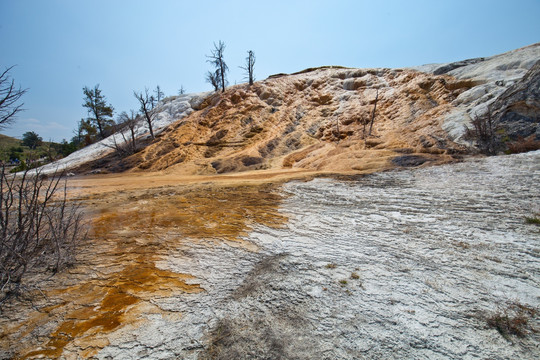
267	222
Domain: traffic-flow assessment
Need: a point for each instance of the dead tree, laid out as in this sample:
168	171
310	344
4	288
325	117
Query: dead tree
128	123
363	121
213	79
217	59
39	227
159	94
373	112
123	149
250	63
9	96
146	102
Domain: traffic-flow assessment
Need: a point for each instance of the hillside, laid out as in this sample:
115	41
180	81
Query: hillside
319	119
424	263
12	148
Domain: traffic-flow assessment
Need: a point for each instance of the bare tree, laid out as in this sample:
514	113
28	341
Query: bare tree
217	59
250	63
159	94
153	101
373	112
146	102
128	122
181	91
213	79
96	104
39	228
9	96
123	148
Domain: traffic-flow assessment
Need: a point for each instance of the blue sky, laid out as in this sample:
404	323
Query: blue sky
61	46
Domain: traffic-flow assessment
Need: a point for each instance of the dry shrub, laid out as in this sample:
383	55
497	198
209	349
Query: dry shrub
512	320
483	133
254	338
522	145
39	228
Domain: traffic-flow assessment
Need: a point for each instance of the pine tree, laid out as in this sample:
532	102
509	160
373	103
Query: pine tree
101	113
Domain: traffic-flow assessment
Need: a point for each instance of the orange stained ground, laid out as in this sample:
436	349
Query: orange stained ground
118	271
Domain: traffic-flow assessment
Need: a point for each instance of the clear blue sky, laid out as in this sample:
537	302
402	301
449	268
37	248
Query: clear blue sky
60	46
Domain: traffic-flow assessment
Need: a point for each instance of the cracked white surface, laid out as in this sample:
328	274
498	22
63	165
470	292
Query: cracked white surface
436	250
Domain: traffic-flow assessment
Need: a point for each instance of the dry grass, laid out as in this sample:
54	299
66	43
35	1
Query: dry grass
513	320
533	220
522	145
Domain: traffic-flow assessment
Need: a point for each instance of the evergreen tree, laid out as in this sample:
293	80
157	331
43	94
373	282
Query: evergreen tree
101	113
31	139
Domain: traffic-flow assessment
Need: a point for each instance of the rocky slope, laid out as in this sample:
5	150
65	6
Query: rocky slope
320	119
518	108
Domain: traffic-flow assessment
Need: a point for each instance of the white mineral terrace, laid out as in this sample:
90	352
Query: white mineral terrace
402	264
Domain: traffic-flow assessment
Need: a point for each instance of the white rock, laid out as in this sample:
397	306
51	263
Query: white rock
171	109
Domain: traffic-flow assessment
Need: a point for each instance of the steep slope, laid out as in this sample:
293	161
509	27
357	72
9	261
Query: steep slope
318	119
492	77
518	108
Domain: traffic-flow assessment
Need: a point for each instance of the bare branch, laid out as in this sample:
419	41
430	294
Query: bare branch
217	59
213	79
9	96
39	228
127	123
147	108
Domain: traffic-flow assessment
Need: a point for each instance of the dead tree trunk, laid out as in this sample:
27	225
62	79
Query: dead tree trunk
364	130
373	112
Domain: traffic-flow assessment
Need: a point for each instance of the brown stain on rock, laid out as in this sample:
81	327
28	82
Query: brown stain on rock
118	276
132	285
294	113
